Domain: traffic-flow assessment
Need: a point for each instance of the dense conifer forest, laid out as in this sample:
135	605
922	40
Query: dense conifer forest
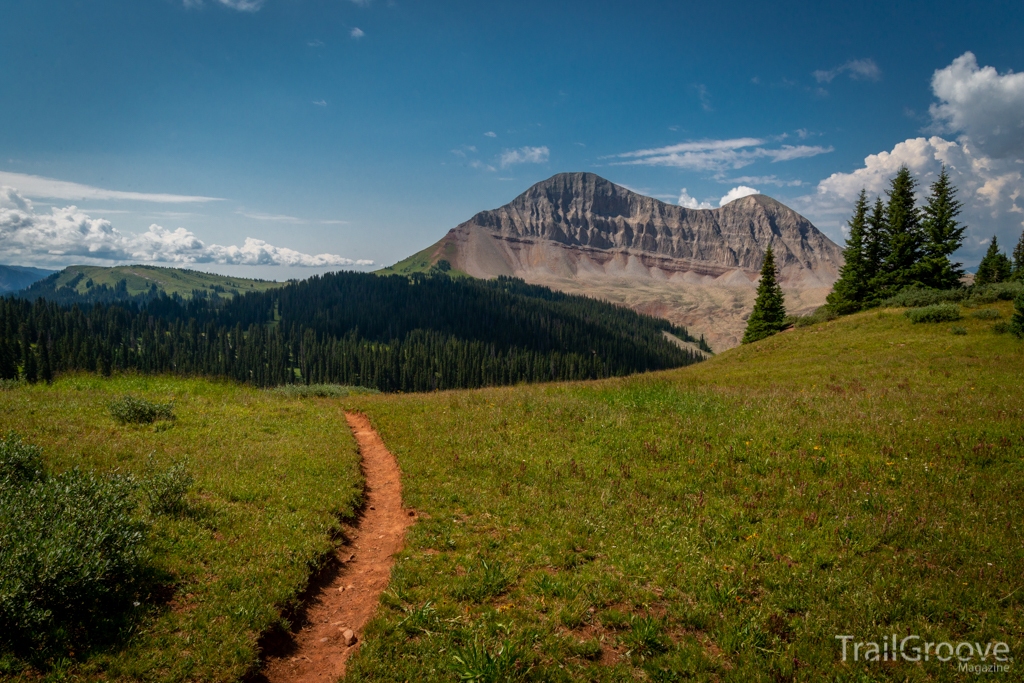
417	333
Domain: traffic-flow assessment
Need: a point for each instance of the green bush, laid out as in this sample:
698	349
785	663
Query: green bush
131	410
917	297
821	315
939	313
71	551
957	330
321	390
988	294
987	314
166	490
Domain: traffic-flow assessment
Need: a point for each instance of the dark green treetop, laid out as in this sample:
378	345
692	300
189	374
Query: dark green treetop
851	289
904	236
769	312
945	235
995	267
1018	258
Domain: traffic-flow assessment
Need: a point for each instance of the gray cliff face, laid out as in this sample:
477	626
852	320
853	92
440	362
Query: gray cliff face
585	210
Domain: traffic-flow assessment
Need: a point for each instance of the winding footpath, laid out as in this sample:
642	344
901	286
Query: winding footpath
344	599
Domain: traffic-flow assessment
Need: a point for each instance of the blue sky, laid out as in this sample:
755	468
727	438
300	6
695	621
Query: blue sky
363	131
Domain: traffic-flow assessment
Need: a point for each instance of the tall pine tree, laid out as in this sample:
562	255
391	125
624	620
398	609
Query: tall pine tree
876	249
769	312
1017	322
1018	259
904	236
945	235
850	291
994	267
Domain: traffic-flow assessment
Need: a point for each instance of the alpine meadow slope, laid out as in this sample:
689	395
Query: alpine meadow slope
582	234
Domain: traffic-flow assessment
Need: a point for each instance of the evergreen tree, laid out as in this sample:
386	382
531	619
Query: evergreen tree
769	312
45	368
1017	322
1018	259
8	361
876	249
995	267
849	292
945	235
904	236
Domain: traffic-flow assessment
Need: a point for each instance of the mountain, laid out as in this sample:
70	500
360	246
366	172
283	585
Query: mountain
13	278
580	233
95	284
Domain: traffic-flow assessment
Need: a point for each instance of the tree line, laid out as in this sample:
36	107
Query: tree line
894	244
417	333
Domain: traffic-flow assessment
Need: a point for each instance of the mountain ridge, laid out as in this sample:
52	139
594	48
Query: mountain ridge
580	233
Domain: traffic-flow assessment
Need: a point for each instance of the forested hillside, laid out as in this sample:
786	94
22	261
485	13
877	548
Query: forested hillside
393	333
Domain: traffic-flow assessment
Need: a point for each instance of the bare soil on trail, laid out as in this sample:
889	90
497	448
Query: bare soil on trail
344	595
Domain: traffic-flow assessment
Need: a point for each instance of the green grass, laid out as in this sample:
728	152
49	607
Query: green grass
274	477
722	522
139	279
423	261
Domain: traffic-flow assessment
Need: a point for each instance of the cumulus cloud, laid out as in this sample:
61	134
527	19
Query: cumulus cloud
718	155
982	104
857	69
357	32
524	155
49	188
67	234
737	193
688	202
985	162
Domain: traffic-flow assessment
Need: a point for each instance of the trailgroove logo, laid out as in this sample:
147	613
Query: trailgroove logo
977	658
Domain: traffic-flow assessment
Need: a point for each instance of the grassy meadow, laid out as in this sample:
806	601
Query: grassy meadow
720	522
275	476
138	279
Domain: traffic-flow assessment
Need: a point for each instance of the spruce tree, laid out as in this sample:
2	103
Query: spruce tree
876	249
945	235
1017	322
851	289
904	236
995	267
1018	259
769	312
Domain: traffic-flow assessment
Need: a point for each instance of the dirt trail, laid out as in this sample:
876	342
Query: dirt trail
346	594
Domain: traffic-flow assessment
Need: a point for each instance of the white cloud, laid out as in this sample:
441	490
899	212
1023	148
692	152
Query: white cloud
737	193
766	180
688	202
320	103
48	188
857	69
704	98
357	32
718	155
985	163
66	235
490	134
361	3
983	105
524	155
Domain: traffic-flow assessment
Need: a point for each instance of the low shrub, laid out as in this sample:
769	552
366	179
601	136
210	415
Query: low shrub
917	297
321	390
167	489
131	410
821	315
71	551
939	313
987	314
988	294
957	330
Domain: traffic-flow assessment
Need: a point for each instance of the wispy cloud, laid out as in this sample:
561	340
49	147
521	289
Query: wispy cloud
490	134
240	5
315	43
857	69
766	180
703	97
357	33
49	188
320	103
282	218
525	155
717	155
66	235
